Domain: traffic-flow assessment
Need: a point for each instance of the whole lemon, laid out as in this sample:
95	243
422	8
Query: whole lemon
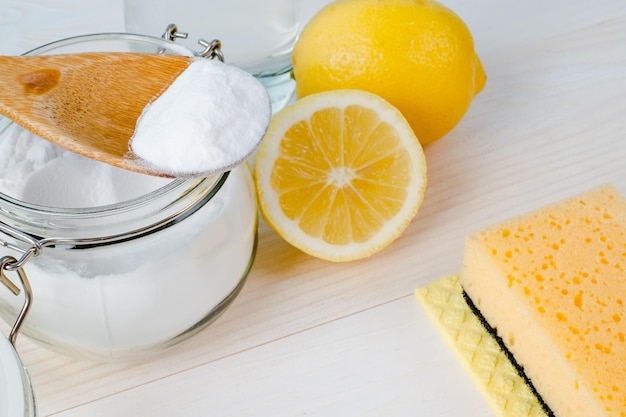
417	54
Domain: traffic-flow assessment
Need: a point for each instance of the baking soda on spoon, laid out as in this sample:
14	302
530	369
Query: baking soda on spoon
209	120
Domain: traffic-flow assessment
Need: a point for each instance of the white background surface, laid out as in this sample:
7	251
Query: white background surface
310	338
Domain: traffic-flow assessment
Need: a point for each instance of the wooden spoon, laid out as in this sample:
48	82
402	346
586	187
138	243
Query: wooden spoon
87	103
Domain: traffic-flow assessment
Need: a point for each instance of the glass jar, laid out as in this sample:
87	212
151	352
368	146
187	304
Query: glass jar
117	281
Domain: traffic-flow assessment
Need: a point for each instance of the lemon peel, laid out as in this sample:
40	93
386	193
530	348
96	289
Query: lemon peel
418	55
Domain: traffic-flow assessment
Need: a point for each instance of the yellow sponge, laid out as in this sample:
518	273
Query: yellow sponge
478	351
553	282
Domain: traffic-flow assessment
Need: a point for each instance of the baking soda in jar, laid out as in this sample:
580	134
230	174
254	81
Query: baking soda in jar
128	264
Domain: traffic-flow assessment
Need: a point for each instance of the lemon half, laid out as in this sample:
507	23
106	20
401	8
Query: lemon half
340	174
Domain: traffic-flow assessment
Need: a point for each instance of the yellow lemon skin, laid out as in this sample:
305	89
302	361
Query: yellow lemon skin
416	54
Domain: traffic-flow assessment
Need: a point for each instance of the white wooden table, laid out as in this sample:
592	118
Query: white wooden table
311	338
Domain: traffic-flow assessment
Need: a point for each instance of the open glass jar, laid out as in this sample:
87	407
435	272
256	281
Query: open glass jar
136	275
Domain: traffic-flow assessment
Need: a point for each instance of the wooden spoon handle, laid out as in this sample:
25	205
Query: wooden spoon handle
98	96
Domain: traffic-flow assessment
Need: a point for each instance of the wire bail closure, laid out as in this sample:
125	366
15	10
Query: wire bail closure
12	264
8	263
211	49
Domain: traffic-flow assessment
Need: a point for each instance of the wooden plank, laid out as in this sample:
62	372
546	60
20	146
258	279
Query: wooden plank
388	360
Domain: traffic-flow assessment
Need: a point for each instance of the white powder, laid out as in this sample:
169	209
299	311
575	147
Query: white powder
128	299
36	171
122	299
210	119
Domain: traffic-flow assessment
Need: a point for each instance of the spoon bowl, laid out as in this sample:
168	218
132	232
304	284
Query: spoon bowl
87	103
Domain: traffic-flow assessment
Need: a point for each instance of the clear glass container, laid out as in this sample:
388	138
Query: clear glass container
117	281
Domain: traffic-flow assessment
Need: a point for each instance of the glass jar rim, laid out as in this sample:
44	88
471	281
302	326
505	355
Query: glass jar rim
113	36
